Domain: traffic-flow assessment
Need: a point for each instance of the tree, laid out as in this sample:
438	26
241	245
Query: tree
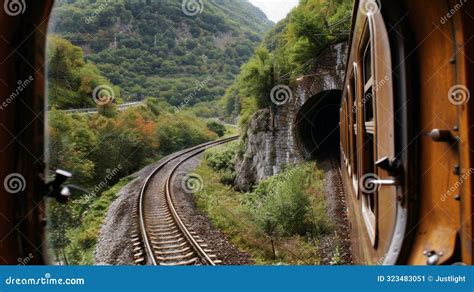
217	128
72	80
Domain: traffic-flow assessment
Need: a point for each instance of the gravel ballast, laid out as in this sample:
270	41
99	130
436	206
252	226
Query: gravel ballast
114	243
338	243
200	223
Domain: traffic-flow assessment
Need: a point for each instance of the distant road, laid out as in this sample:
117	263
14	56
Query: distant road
94	110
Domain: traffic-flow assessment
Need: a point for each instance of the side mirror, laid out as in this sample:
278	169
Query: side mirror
55	188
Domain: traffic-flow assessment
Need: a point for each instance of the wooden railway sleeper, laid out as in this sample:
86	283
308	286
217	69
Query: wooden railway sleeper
170	246
182	250
181	239
184	263
174	258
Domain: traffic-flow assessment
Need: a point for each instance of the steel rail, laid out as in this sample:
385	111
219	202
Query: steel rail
141	212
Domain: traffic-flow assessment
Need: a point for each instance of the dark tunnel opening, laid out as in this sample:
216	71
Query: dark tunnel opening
317	124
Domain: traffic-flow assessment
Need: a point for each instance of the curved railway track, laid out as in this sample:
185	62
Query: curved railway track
160	236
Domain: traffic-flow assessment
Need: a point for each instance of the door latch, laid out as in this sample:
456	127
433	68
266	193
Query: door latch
438	135
384	182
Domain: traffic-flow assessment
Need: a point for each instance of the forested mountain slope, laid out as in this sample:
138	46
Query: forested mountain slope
289	50
164	49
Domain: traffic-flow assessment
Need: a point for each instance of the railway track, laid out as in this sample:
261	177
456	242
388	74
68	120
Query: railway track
160	237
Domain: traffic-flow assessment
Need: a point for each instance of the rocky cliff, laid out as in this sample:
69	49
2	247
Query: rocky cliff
270	141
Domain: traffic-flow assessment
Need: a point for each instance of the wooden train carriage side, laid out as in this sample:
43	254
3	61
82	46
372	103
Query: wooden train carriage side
445	195
22	59
372	129
408	175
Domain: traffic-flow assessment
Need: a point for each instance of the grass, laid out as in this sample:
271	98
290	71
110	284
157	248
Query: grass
231	130
83	239
280	222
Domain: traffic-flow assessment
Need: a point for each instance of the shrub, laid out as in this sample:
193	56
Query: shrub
222	158
289	209
180	131
288	202
217	128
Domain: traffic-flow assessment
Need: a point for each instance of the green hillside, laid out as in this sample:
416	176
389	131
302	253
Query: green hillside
72	80
289	50
157	49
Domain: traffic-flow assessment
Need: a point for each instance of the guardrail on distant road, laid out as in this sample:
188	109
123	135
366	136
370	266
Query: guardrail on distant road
120	107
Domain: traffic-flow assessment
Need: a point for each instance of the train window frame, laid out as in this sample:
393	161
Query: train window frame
354	128
368	135
342	127
346	134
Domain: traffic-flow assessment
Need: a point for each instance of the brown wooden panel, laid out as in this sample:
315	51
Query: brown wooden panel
438	218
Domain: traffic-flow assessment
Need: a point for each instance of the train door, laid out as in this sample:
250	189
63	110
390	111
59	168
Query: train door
376	156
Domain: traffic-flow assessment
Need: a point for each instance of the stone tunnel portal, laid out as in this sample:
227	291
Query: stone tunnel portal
317	124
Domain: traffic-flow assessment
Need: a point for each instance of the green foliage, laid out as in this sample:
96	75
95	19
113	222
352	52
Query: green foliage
78	240
99	150
217	128
205	110
71	79
221	158
70	143
290	49
258	77
151	48
182	131
248	107
288	209
283	206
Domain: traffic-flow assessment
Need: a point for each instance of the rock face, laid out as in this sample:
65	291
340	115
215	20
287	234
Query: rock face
258	158
270	139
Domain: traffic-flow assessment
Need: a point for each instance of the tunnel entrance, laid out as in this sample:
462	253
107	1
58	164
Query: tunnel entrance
317	124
